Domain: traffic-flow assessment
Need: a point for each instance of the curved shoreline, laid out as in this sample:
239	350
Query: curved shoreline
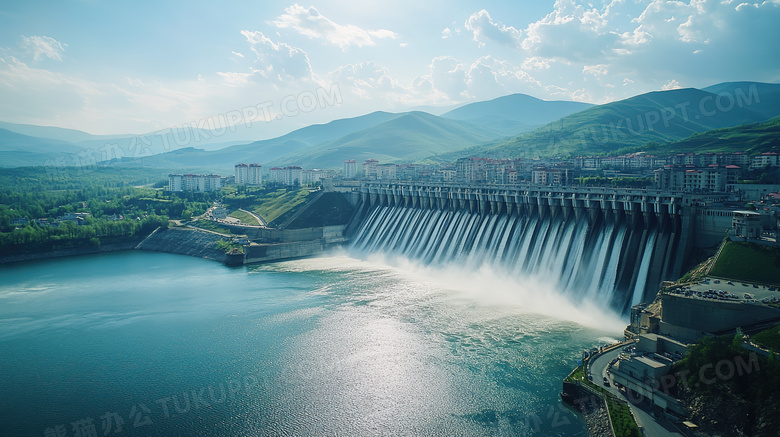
177	241
73	251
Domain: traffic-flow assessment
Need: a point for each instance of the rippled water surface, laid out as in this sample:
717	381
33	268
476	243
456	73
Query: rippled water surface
138	343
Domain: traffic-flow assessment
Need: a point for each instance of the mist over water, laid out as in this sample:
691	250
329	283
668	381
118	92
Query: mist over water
332	345
490	287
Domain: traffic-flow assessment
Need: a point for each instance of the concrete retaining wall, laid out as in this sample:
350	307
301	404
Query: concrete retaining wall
712	316
259	253
274	235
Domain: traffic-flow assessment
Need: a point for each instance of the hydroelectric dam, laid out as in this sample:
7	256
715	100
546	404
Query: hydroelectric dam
610	246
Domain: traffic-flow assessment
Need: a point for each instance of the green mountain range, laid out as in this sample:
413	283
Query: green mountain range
409	137
515	113
660	117
749	138
511	126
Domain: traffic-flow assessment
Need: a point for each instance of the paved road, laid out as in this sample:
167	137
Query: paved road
652	427
257	217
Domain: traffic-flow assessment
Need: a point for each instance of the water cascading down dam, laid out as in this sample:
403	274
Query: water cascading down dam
612	247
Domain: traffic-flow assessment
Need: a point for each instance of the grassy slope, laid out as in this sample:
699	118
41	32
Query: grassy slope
750	138
769	338
748	262
279	203
330	209
244	217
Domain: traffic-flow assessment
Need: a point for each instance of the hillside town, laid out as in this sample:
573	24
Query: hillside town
690	173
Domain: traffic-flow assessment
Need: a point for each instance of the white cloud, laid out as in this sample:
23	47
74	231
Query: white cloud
309	22
450	80
39	96
570	33
366	75
595	70
535	63
484	28
446	33
127	104
238	54
39	46
658	38
277	60
671	85
448	76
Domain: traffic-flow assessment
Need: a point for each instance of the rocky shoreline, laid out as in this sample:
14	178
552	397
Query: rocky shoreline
189	242
177	241
74	251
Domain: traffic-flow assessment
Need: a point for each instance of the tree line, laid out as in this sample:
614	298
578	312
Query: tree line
121	204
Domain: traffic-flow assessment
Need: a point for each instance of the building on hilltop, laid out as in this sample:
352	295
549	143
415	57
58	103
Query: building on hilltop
194	183
288	176
547	176
350	169
385	172
249	174
713	179
369	168
315	175
471	169
766	159
747	225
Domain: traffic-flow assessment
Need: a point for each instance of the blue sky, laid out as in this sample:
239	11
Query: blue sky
134	67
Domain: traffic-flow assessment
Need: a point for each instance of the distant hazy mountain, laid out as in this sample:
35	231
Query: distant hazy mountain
660	116
23	150
133	145
515	113
268	150
436	110
408	137
55	133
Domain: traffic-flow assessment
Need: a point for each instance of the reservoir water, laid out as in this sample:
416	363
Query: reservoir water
150	344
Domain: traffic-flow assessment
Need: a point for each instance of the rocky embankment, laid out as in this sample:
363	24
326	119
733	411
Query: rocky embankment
597	421
184	242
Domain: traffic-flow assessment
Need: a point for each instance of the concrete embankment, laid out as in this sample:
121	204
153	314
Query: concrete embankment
259	253
184	242
281	244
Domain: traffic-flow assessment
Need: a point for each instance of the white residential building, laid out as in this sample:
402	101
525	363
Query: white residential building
369	168
350	169
288	176
385	171
771	159
196	183
249	174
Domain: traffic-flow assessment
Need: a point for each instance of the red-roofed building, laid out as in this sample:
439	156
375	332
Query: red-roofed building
766	159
